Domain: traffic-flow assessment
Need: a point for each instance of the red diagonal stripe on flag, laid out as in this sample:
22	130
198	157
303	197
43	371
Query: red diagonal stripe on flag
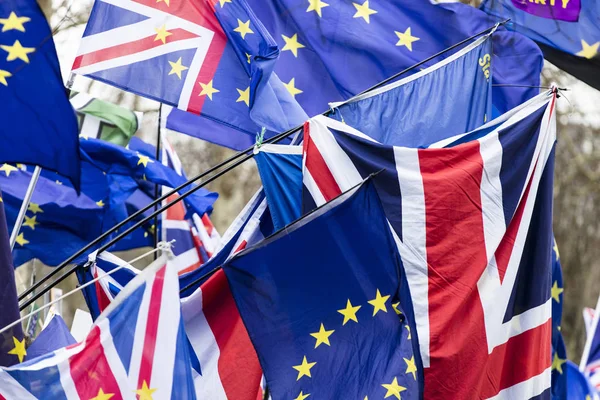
152	328
238	365
90	370
129	48
316	165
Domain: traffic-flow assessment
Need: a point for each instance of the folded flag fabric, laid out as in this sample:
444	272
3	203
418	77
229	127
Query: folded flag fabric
559	350
53	337
137	346
57	222
458	100
592	361
567	31
332	50
228	364
280	169
223	358
99	119
473	223
326	322
38	123
194	245
215	60
12	342
123	166
577	386
224	361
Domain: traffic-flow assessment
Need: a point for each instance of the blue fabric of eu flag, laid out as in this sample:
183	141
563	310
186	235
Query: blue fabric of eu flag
320	301
38	125
447	99
559	350
59	222
570	44
12	342
334	49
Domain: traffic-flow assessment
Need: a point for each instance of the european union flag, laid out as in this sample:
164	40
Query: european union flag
559	351
59	221
37	124
567	31
334	49
321	302
12	342
399	114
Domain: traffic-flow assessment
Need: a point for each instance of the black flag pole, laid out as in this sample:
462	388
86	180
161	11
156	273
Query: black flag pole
241	157
157	187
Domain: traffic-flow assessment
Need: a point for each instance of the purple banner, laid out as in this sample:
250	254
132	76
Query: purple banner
563	10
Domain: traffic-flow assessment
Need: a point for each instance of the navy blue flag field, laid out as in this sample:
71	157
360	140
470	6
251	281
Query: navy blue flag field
473	223
212	58
39	126
327	323
458	100
280	169
567	31
12	342
332	50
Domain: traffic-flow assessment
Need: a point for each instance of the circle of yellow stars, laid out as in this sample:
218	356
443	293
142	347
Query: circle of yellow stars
349	313
16	51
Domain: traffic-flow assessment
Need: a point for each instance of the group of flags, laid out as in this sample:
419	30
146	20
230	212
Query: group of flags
401	245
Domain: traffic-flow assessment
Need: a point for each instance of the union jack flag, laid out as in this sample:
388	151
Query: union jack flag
195	237
591	361
136	347
218	338
473	226
207	57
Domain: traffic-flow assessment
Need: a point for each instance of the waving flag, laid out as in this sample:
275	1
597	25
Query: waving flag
209	58
332	50
136	347
12	342
559	350
217	337
58	221
329	324
280	169
473	223
194	245
592	364
123	167
100	119
399	114
53	337
224	360
567	31
38	123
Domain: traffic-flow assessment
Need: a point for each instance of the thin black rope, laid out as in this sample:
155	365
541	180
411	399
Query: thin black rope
244	155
